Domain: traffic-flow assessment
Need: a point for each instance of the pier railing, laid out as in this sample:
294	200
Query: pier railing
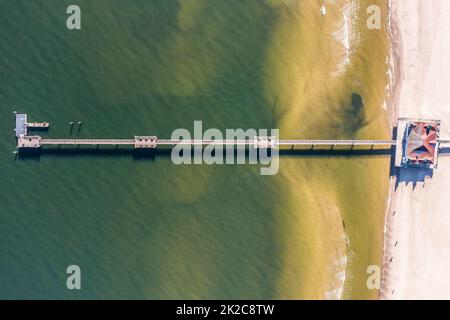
153	142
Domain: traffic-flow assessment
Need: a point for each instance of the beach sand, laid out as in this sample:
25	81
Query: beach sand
417	258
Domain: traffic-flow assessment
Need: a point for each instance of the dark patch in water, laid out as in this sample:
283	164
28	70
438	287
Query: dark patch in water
352	117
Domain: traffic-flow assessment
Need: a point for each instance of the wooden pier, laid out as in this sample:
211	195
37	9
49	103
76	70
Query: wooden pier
22	125
153	142
26	141
37	125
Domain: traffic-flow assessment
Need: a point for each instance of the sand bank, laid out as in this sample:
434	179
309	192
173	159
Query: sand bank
417	239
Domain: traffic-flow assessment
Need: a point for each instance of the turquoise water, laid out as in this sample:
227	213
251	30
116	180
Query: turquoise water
138	227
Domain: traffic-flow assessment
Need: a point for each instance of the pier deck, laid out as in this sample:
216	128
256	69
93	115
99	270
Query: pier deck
270	142
154	142
37	125
21	124
25	141
33	141
86	142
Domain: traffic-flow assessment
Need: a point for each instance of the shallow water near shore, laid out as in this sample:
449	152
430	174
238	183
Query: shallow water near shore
145	228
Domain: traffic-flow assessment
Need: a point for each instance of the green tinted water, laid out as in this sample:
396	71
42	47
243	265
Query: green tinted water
142	228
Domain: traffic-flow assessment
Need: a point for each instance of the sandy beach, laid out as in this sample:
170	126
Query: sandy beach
417	258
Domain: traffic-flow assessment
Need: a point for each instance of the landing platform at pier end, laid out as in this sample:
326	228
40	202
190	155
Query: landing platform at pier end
21	124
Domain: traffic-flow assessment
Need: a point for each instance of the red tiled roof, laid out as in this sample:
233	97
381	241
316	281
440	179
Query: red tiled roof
421	142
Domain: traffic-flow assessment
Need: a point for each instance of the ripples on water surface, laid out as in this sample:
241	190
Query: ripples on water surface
149	229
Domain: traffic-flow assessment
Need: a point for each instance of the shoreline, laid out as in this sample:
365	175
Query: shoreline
395	54
416	231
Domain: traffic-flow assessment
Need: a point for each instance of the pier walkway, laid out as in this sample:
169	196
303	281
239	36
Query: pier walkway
153	142
399	145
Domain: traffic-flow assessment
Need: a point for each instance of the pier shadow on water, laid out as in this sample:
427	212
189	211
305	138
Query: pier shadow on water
151	154
36	155
412	175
